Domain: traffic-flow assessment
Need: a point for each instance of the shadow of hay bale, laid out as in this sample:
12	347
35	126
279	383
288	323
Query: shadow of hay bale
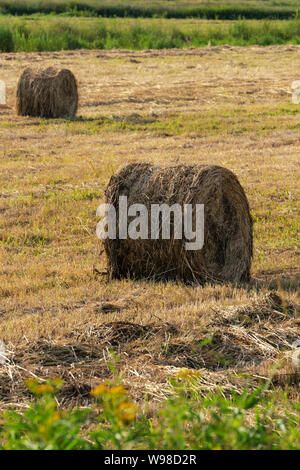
121	332
287	280
271	307
51	354
50	93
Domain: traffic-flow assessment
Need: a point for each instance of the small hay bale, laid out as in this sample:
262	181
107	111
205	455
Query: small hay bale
49	93
228	237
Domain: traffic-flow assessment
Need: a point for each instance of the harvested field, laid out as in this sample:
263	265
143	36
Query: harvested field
58	314
231	347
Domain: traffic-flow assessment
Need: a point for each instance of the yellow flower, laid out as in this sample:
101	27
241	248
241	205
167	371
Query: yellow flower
118	390
44	388
53	418
57	382
51	386
42	429
99	390
188	374
126	413
31	384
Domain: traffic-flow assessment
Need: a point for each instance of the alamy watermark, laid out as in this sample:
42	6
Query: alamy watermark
158	226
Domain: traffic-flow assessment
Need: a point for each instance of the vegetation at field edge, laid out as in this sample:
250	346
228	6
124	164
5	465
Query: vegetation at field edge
54	34
113	421
224	10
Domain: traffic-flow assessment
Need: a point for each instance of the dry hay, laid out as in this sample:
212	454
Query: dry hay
82	362
271	307
239	336
49	93
228	239
121	332
230	352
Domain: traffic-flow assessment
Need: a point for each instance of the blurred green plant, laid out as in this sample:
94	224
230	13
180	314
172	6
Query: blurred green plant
6	39
185	420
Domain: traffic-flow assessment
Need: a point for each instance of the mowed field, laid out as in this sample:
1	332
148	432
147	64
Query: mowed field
59	316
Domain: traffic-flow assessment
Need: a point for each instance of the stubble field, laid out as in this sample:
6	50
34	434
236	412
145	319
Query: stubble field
58	314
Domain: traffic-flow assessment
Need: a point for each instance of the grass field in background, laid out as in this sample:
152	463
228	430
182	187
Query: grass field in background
49	33
224	9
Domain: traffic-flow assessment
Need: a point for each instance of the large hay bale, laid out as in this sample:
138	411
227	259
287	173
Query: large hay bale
228	239
49	93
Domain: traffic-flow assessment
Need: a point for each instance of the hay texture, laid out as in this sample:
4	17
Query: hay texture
228	239
246	342
49	93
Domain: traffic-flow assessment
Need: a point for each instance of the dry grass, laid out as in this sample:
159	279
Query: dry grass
58	316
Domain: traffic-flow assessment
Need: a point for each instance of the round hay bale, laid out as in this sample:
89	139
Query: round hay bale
49	93
228	237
